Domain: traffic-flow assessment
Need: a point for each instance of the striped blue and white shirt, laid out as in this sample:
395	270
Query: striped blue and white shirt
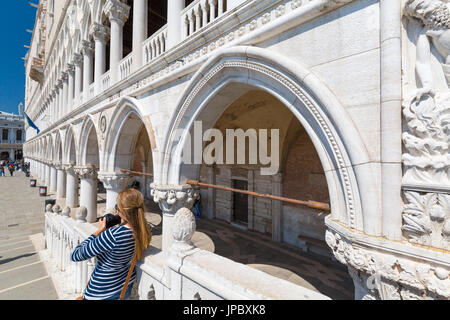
114	249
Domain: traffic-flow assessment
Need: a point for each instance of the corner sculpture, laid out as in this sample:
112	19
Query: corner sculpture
426	138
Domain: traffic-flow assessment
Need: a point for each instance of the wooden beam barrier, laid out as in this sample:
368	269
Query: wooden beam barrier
310	204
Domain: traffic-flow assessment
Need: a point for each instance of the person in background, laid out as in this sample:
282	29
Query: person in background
11	169
2	170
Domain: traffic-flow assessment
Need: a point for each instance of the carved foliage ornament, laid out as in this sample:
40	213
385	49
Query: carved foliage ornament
387	276
171	200
426	219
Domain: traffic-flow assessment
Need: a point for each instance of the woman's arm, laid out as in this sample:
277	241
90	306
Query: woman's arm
93	246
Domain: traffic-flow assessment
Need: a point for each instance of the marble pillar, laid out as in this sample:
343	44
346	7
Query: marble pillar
88	191
71	186
117	13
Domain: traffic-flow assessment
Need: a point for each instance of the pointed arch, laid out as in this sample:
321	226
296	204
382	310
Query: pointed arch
125	108
354	197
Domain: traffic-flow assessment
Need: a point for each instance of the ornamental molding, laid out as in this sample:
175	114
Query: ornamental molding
173	198
387	275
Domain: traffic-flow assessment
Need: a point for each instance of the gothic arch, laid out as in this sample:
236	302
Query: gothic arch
69	142
83	142
355	200
122	111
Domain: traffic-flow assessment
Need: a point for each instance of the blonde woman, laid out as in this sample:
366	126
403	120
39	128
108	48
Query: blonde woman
115	248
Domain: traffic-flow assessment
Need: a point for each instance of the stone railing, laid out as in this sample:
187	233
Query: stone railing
62	235
155	45
126	66
186	272
199	14
204	275
91	90
106	81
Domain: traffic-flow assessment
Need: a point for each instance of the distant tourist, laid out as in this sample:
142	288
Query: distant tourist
11	169
2	170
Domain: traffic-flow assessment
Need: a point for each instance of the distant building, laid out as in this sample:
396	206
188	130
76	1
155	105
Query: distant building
12	135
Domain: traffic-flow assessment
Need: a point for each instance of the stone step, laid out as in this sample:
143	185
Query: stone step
23	274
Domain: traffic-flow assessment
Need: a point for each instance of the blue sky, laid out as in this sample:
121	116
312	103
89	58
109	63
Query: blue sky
16	17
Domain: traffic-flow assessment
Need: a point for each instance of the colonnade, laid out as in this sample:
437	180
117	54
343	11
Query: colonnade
77	185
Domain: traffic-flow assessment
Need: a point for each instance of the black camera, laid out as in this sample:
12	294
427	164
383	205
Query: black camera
111	220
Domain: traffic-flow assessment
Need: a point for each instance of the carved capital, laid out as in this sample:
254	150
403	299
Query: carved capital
77	59
100	32
173	198
114	181
69	168
116	11
70	69
87	48
86	172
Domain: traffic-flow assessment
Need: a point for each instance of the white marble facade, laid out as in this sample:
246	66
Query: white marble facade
367	79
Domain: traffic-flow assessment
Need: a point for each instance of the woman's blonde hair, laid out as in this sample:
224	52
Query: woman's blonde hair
130	203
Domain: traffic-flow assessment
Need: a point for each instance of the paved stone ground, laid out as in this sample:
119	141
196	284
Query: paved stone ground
23	275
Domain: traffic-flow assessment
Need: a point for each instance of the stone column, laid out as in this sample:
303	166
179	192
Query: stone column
174	8
140	17
60	181
65	79
53	107
47	174
78	62
88	190
53	178
114	183
60	100
170	199
71	186
88	51
117	13
100	34
71	87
